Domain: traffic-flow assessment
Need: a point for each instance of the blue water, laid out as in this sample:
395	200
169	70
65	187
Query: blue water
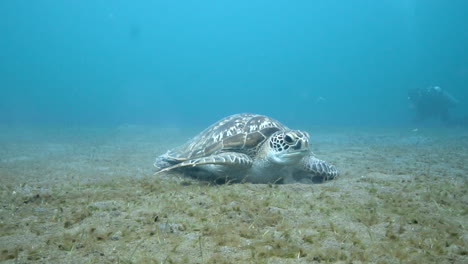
193	62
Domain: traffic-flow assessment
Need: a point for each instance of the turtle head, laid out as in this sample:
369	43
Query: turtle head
287	147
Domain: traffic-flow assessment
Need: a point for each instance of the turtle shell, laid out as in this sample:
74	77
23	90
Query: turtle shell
237	133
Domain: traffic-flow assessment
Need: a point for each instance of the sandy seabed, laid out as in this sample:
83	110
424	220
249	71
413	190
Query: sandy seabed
88	195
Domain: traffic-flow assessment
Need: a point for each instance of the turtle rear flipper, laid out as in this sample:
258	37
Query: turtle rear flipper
233	159
164	161
317	168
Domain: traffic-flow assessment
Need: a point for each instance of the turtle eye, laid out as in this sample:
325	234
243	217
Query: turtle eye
288	139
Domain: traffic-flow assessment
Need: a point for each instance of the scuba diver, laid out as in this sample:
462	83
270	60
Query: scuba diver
432	102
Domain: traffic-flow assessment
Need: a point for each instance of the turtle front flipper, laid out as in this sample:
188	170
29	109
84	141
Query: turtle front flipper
234	159
318	168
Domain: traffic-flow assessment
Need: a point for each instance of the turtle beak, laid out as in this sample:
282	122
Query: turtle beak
298	145
301	145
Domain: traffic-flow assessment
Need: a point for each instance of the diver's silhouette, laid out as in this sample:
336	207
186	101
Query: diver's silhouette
432	102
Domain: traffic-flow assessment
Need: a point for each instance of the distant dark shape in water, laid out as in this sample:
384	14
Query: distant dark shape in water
135	31
432	103
463	122
247	148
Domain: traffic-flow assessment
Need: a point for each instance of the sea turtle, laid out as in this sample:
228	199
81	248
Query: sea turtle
247	147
